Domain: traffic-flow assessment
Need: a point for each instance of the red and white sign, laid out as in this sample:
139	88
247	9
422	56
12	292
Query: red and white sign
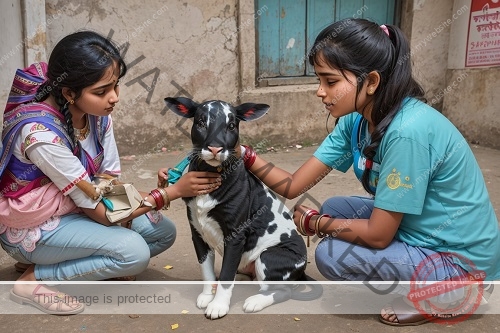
483	40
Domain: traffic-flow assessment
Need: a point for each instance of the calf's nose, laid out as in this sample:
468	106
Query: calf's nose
214	150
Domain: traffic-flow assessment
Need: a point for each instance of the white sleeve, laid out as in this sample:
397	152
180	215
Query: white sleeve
111	159
58	163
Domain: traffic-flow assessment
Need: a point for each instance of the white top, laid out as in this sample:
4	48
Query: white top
58	163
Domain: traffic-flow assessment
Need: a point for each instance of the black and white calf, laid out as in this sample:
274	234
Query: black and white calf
242	220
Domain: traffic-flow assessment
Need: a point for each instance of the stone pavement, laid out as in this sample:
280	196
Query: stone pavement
141	170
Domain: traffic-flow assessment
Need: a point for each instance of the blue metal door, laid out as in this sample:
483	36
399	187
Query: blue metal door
287	29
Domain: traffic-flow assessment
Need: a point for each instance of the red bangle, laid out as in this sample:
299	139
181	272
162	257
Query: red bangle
158	198
302	228
307	219
249	157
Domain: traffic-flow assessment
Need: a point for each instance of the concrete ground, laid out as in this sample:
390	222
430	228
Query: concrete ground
141	170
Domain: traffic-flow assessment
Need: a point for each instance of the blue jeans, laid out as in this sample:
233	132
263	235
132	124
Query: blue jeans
340	260
83	250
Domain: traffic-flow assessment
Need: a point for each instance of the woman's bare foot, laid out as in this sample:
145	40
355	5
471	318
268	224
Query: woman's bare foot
388	314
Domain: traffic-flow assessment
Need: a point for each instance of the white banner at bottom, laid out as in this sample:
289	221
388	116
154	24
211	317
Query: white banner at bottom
306	298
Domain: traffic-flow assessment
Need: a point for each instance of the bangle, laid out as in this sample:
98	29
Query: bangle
316	226
249	157
305	218
300	227
158	198
166	198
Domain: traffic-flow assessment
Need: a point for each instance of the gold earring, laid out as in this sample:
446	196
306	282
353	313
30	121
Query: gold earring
370	92
72	102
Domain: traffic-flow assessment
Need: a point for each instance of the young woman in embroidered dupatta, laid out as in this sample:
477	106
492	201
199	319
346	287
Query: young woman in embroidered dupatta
58	134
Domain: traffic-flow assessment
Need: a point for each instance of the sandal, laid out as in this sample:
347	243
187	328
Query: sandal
56	297
21	268
405	314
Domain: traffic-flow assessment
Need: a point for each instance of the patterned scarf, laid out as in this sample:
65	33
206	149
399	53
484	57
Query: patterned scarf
21	110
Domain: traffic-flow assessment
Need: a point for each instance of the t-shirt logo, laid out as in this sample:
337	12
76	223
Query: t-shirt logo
393	180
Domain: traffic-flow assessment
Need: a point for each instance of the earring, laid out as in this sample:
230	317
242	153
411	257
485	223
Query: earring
72	102
370	92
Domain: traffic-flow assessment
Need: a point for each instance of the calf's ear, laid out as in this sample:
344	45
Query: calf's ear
251	111
182	106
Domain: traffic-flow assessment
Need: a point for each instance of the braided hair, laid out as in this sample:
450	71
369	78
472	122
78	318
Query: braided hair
361	46
77	61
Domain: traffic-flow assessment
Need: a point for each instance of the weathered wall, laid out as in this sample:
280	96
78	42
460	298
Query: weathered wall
296	116
472	104
430	31
11	47
187	45
206	49
471	99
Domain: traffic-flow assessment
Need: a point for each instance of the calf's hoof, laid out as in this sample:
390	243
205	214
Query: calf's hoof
203	300
216	310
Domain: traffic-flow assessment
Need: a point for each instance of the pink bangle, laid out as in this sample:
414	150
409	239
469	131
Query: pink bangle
249	157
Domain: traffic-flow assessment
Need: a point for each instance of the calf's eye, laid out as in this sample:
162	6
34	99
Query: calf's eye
201	124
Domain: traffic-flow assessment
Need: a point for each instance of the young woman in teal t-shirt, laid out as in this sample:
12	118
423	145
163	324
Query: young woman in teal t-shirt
428	204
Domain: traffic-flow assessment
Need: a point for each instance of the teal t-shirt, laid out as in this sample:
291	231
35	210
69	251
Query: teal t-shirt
427	171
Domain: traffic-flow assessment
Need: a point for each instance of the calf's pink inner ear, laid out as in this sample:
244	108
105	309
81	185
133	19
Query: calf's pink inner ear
249	112
182	108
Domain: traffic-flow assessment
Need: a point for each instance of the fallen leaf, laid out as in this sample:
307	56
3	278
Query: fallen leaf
168	267
133	316
175	326
184	311
296	319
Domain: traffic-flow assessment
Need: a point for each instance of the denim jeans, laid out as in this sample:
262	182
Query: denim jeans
80	249
340	260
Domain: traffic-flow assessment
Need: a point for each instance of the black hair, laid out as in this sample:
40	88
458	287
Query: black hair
361	46
77	61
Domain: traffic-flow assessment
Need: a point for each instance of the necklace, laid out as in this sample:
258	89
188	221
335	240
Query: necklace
82	134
